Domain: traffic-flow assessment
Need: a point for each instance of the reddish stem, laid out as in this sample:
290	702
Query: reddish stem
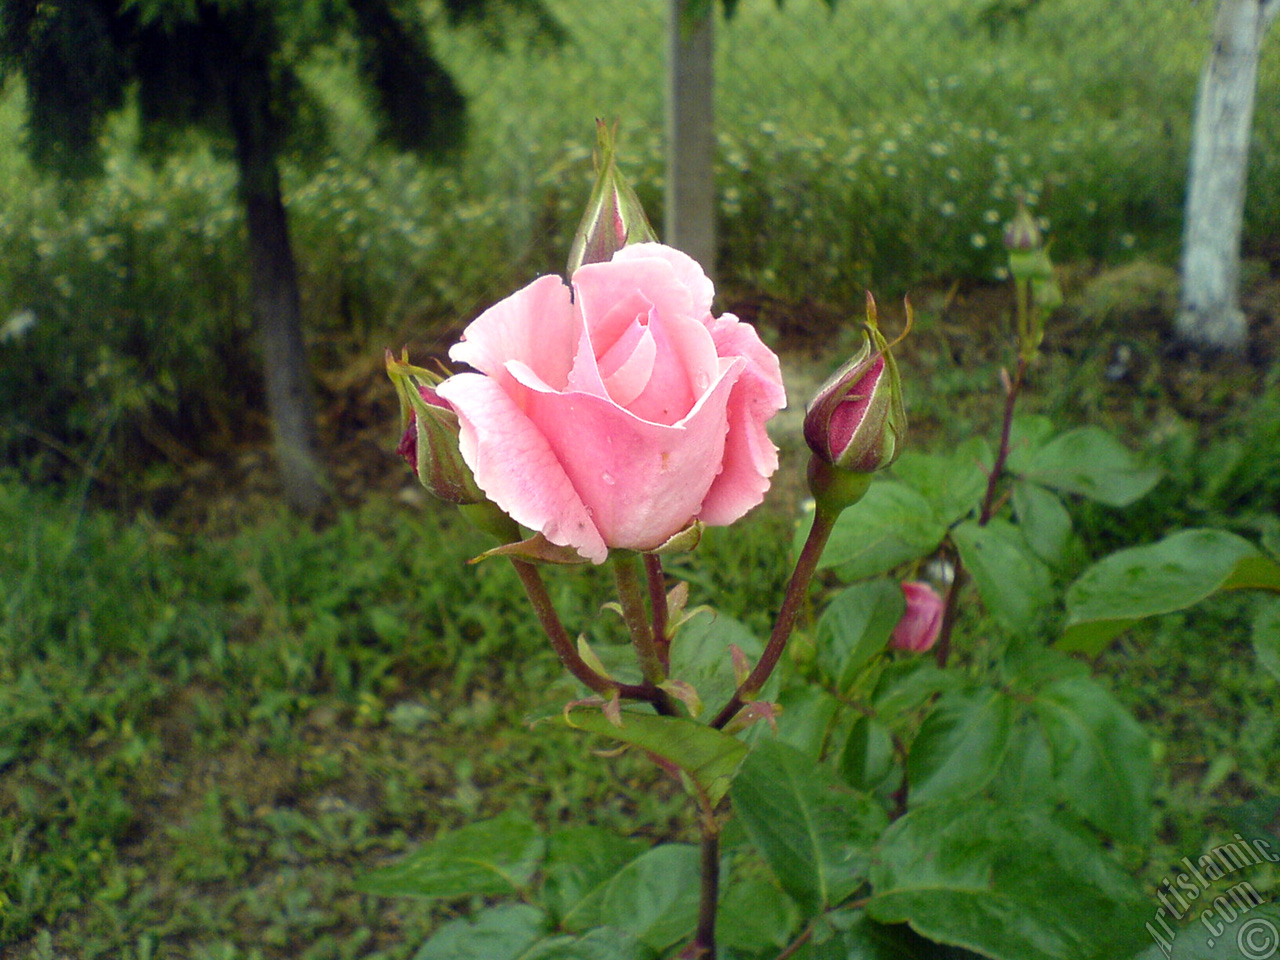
942	650
545	610
797	589
658	604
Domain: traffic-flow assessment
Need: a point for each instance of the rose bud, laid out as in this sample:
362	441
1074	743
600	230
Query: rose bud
430	441
614	217
1023	234
857	421
1028	258
918	629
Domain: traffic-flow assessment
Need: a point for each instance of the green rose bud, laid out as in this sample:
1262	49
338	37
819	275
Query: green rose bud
430	441
614	217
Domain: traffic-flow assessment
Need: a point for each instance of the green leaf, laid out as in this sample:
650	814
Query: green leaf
960	746
495	857
755	915
709	758
1252	934
1028	435
580	862
1027	665
905	685
602	943
506	932
518	932
1014	584
953	483
891	525
867	758
700	655
813	831
1177	572
655	897
1043	520
808	712
1101	756
1091	462
855	627
1011	883
1266	635
1026	777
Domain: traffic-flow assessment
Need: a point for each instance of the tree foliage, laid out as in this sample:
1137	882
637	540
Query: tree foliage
79	58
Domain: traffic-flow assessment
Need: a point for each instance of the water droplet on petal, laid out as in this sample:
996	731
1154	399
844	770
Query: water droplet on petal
608	479
702	380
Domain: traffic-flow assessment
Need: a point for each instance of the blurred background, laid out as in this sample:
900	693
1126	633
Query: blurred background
862	145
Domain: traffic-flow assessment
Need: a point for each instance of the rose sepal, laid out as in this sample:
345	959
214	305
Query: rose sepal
686	541
535	549
430	440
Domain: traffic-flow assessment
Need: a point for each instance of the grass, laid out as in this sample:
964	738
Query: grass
205	741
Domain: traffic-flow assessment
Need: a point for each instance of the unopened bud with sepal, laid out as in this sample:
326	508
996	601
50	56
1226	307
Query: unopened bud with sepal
430	441
857	422
614	217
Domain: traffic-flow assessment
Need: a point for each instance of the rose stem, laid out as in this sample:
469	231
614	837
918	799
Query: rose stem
658	604
797	589
943	649
704	941
545	610
626	574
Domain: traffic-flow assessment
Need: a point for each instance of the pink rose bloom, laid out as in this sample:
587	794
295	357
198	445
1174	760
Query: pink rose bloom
614	412
918	629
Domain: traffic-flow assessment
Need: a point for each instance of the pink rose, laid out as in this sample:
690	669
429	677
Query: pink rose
614	412
918	629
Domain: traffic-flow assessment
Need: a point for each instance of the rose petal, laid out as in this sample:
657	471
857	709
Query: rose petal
608	295
687	270
515	466
628	367
538	325
683	369
750	458
641	481
606	329
736	339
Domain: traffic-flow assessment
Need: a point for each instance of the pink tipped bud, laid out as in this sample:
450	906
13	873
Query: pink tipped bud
614	216
857	421
430	441
918	629
1023	233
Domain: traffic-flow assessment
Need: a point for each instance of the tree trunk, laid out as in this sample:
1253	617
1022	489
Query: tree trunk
276	304
689	217
1210	314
